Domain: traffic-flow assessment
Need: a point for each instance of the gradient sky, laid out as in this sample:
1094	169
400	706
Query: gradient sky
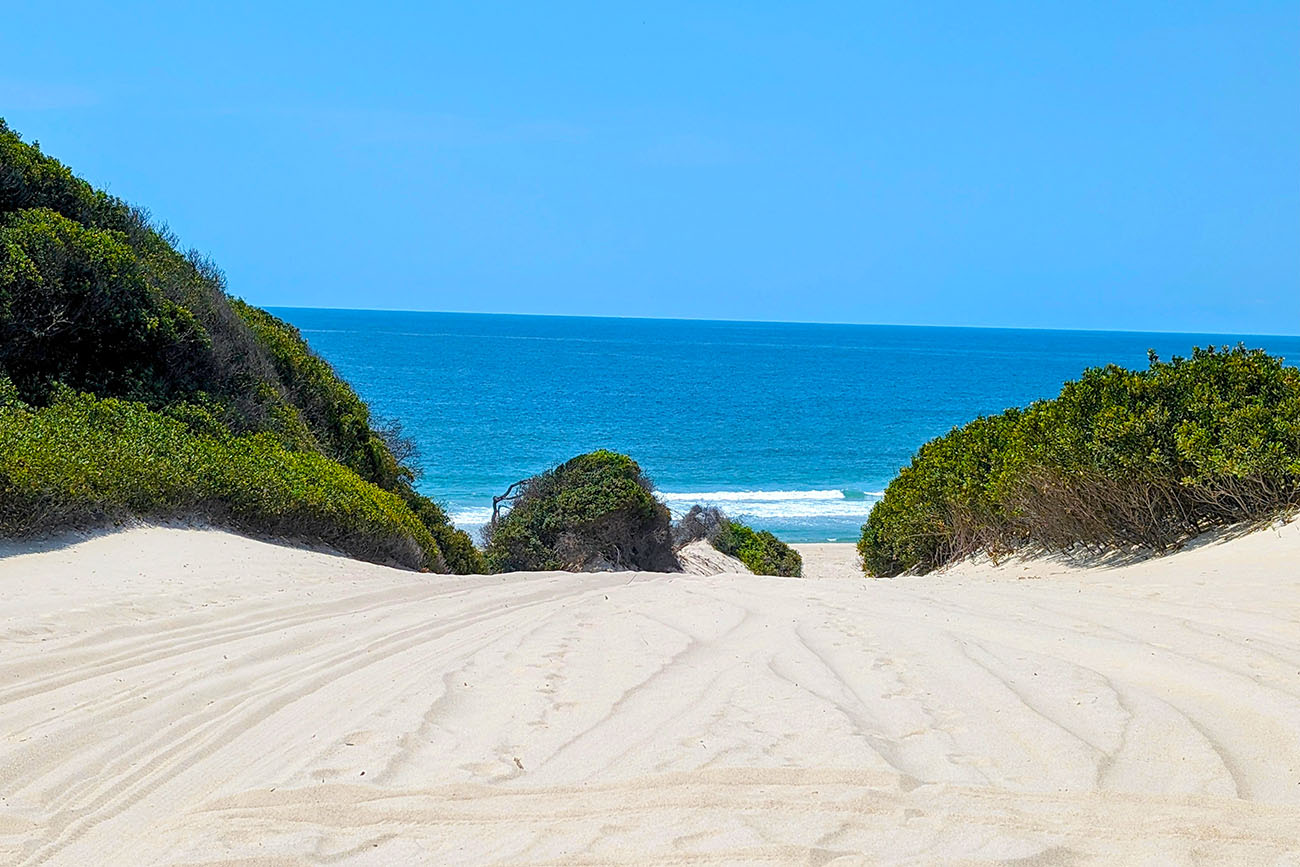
1088	165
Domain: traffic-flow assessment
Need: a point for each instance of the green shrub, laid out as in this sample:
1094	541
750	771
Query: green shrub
30	179
1120	458
83	460
329	406
760	551
8	393
76	309
596	511
96	299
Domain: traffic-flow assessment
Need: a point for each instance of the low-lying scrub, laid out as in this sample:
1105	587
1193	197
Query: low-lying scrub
82	460
760	551
1121	458
596	511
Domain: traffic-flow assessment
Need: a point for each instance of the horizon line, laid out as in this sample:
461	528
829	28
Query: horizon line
778	321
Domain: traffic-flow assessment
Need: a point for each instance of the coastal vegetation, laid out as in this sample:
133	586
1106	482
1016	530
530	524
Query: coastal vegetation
760	551
595	511
598	511
132	384
1119	459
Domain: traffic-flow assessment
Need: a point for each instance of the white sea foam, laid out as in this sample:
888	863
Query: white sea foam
791	505
751	496
473	516
827	503
804	509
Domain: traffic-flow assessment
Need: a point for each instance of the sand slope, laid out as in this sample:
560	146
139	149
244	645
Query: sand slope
186	696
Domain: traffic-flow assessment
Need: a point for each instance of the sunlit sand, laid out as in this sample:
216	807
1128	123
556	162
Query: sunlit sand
191	696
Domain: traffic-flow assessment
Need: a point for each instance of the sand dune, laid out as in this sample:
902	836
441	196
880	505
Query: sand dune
189	696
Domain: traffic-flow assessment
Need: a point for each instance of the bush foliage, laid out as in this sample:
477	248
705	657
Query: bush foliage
595	511
84	459
1121	458
760	551
103	319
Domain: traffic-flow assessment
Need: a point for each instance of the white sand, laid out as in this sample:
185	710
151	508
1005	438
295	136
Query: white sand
830	560
701	558
184	696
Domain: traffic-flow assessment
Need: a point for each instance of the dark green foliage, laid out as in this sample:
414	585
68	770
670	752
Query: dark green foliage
76	309
29	179
759	550
95	299
596	511
1120	458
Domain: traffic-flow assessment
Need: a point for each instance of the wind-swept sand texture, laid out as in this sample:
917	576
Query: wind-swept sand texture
186	696
701	558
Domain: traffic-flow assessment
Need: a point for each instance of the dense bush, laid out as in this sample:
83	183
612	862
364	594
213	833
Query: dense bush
1121	458
83	459
30	179
96	299
760	551
596	511
76	309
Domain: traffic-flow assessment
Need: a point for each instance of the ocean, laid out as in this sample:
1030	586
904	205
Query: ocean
795	428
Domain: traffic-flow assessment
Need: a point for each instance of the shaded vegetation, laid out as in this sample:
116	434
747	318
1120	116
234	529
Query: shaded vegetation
699	522
103	321
1121	458
595	511
760	551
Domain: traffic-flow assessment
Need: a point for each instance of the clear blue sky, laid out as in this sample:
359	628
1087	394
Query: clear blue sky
1086	165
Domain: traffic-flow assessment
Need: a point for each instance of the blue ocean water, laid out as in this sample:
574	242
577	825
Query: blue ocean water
796	428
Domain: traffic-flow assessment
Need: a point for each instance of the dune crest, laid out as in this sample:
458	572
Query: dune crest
175	696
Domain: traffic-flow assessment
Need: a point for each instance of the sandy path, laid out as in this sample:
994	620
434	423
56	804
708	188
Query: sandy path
184	696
